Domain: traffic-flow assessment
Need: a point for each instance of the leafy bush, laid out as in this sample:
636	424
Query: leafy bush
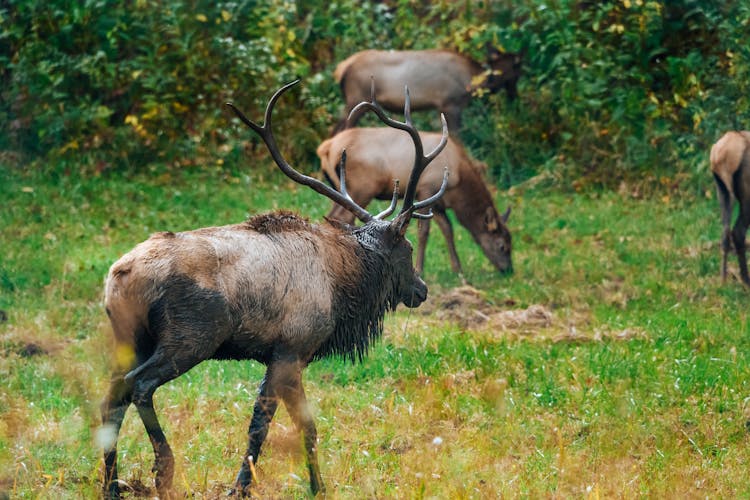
611	90
617	90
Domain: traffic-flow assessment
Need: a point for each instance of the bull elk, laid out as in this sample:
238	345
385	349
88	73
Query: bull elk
440	79
730	164
377	156
276	289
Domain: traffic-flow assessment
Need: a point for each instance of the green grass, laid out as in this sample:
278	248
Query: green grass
520	414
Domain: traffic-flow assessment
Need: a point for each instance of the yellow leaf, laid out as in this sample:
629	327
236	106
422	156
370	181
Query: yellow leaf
290	53
71	145
179	108
151	114
124	356
201	17
226	16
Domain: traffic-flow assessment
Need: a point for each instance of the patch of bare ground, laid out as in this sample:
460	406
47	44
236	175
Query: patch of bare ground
470	310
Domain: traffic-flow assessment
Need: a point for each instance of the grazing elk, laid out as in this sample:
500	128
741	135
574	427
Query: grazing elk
275	288
440	79
730	164
377	156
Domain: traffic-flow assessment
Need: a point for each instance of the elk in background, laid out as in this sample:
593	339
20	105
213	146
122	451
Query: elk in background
377	156
730	164
275	288
440	79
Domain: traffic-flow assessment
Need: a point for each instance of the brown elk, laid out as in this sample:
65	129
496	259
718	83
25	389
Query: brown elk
377	156
440	79
275	288
730	164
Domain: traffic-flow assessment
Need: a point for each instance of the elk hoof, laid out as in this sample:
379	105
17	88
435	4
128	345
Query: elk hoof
240	491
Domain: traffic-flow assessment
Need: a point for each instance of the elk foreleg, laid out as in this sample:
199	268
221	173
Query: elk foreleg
113	411
423	233
453	114
292	393
446	227
263	412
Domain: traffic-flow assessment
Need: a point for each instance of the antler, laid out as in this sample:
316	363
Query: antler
265	133
420	159
388	211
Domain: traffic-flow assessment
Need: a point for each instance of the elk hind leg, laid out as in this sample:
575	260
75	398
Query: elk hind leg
160	368
725	204
113	411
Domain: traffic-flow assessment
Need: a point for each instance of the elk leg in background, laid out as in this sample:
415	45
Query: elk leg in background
347	121
446	227
453	117
263	412
725	204
423	233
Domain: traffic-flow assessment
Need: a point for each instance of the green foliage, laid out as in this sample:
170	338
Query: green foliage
611	90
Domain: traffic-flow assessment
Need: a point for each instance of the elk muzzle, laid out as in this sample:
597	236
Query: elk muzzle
418	293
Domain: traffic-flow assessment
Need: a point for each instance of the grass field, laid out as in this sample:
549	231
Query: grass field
612	363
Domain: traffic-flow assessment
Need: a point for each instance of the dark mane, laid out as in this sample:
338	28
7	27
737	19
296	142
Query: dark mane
361	302
277	222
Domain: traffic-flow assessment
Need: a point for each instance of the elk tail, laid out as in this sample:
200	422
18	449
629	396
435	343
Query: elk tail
722	163
323	152
338	73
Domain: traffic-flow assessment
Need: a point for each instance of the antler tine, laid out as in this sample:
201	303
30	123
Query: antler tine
342	176
418	215
265	133
388	211
435	197
420	161
407	107
443	140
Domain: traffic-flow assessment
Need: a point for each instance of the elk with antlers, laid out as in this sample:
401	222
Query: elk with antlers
275	288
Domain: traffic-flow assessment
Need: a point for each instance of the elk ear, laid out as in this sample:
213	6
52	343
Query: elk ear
506	215
490	219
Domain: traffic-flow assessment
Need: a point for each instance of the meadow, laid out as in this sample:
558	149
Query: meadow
612	363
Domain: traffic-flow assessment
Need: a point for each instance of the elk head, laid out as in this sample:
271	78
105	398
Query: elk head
495	240
502	70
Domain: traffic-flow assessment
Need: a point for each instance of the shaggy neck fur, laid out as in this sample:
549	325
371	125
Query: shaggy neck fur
360	303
